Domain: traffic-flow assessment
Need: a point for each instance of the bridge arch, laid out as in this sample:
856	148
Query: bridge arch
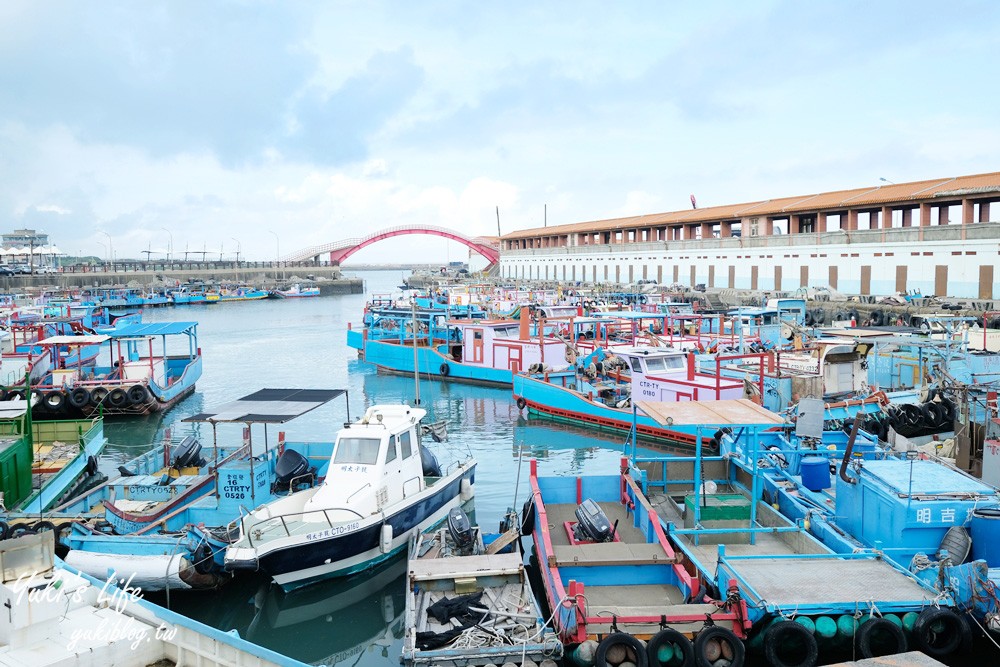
341	250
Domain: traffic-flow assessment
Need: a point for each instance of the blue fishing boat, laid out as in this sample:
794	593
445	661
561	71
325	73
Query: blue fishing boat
381	485
727	528
165	519
296	291
612	577
152	367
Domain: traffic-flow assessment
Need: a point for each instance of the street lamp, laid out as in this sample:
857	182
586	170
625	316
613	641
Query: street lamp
238	247
886	180
111	251
277	252
170	246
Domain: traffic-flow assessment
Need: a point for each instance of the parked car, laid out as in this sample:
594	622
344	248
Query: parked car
22	269
46	269
6	270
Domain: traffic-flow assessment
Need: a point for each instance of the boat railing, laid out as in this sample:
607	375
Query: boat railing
415	478
297	523
367	485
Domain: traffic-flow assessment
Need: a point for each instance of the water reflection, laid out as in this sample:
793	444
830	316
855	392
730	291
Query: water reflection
350	621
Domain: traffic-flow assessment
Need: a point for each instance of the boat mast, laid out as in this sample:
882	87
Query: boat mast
416	366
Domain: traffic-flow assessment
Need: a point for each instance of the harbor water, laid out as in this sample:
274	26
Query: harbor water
302	343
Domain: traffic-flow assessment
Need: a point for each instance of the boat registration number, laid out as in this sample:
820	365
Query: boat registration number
333	531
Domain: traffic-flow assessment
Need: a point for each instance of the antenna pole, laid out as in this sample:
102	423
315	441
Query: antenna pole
416	358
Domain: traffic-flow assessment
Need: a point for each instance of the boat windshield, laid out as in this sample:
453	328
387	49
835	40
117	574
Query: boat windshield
665	363
357	450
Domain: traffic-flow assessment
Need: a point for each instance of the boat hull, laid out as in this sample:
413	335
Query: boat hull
300	560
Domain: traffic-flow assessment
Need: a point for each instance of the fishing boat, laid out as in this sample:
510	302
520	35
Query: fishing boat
43	462
152	368
599	389
381	484
58	617
469	601
166	519
236	293
296	291
613	578
728	530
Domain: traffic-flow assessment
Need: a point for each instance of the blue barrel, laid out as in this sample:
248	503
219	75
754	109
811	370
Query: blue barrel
815	473
985	531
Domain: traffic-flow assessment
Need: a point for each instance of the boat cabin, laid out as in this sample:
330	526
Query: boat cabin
499	344
376	463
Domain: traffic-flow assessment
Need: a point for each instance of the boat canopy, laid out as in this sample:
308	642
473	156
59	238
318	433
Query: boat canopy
96	339
139	330
269	406
711	414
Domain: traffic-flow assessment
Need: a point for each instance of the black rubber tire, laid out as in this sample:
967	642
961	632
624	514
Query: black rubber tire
528	517
117	398
878	637
62	550
4	530
939	632
444	370
54	401
804	652
63	529
43	526
949	409
521	403
931	414
137	394
809	318
97	395
994	323
723	635
853	314
877	318
202	559
819	315
92	466
678	640
630	642
78	397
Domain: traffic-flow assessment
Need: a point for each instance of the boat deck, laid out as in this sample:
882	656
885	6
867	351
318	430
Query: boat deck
826	581
611	600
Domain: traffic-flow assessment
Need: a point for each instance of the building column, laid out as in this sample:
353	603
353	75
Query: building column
794	224
984	211
925	215
725	229
851	223
706	230
907	220
886	217
968	211
820	223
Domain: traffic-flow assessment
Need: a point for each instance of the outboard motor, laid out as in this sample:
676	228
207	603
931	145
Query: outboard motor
592	523
460	529
188	453
429	462
291	467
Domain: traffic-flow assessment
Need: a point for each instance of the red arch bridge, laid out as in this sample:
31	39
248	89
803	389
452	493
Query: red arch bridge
341	250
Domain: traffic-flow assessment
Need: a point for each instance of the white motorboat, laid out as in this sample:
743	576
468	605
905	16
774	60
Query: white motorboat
382	484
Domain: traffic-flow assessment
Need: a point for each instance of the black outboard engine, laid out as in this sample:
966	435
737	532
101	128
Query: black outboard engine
188	453
290	468
460	529
429	462
592	523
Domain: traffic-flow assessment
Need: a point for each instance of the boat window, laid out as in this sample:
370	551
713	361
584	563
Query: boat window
655	364
636	365
357	450
477	334
390	451
404	442
676	361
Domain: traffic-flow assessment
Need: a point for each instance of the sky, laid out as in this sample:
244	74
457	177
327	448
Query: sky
267	127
